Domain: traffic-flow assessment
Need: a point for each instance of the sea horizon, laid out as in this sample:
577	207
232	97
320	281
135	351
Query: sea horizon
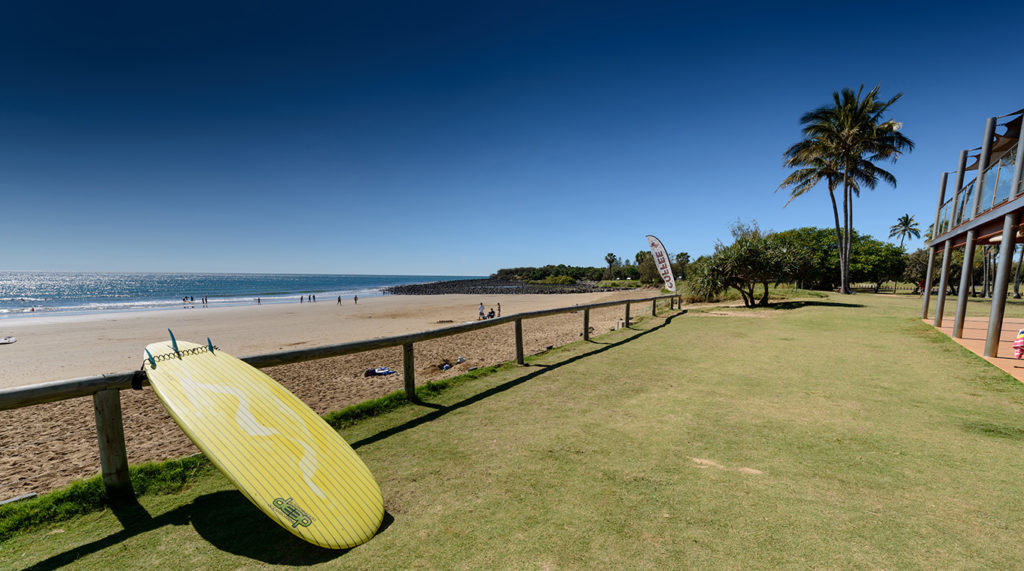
27	293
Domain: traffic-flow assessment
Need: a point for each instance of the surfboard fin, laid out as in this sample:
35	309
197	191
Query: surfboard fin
149	356
174	343
209	344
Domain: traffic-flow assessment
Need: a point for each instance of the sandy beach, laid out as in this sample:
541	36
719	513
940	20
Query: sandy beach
47	446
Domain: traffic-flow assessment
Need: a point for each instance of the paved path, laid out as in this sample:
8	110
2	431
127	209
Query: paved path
975	329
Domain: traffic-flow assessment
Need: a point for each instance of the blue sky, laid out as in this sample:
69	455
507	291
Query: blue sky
457	138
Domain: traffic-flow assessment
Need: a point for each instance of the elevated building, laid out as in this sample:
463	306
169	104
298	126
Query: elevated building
986	210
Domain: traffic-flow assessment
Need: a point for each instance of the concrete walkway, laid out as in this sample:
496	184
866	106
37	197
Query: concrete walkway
975	329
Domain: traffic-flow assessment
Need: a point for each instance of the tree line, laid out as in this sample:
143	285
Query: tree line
640	268
808	257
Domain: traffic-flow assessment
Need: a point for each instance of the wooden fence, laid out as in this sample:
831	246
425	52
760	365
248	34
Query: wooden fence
106	389
887	287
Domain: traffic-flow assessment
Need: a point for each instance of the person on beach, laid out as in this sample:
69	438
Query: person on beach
258	302
481	311
355	299
339	300
490	314
499	310
314	298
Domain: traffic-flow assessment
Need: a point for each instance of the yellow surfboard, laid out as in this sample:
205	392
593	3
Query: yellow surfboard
278	452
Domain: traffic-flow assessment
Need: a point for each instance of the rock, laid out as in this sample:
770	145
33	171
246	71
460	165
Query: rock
488	287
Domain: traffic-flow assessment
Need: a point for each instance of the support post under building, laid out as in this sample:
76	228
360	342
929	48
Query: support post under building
979	187
940	304
965	281
1006	247
927	293
995	318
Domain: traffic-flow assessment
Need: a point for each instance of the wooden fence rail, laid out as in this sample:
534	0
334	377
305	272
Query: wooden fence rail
105	389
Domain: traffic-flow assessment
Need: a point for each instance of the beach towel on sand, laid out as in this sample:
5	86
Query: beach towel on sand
378	372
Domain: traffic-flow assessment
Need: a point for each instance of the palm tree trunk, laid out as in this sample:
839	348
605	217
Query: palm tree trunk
839	238
984	271
970	277
849	238
992	271
847	234
1016	279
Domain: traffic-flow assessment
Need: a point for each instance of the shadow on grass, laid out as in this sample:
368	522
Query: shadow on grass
996	430
785	305
441	410
226	519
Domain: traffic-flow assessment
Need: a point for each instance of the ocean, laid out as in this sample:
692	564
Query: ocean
26	294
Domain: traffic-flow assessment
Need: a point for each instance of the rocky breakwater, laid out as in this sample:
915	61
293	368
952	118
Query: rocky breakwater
485	287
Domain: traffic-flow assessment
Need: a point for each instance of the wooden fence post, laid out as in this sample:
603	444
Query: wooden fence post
586	325
654	308
409	372
110	435
626	322
519	342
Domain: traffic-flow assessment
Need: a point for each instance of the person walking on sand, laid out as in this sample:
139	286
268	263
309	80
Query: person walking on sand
339	300
499	310
355	299
481	311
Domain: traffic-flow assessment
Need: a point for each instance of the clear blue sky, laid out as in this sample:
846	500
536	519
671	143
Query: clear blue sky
457	138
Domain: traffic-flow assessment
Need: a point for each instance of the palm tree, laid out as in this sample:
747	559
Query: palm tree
905	226
814	165
610	258
1016	278
842	141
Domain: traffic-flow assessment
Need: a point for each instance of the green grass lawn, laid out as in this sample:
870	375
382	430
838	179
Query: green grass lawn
831	432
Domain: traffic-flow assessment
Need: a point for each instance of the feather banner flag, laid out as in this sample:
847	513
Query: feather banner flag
662	262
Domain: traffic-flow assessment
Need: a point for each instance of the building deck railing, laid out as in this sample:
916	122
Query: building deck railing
997	188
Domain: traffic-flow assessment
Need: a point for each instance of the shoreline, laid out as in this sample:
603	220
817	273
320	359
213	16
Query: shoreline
216	303
59	347
28	294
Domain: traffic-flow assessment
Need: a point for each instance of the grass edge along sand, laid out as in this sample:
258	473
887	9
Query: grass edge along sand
167	477
841	432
